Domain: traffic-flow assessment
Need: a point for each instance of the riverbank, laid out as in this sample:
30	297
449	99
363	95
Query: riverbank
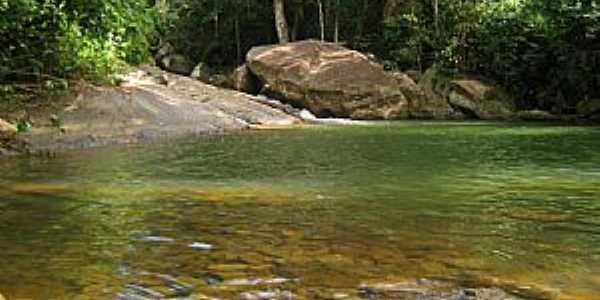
151	104
148	104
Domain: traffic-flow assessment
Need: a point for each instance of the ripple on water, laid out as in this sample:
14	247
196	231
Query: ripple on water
314	212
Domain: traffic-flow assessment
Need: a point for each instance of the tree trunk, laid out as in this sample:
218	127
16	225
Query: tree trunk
436	15
280	22
321	19
238	39
298	19
336	30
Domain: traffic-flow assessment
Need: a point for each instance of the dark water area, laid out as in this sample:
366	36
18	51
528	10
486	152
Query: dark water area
314	212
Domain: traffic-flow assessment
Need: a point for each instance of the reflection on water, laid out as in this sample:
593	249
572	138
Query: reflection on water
311	212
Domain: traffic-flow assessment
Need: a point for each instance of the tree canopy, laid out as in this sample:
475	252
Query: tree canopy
546	53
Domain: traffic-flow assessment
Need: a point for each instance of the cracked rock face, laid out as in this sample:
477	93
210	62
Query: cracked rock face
332	81
329	80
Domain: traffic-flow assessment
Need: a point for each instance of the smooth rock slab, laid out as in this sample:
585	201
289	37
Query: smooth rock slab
149	105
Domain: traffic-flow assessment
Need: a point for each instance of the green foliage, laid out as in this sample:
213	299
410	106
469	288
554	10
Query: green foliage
208	30
51	39
23	126
546	53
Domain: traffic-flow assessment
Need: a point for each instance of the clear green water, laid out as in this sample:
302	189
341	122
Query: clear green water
333	207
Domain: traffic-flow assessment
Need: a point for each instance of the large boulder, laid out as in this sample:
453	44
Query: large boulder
7	130
329	80
244	81
480	100
167	58
176	63
434	104
462	97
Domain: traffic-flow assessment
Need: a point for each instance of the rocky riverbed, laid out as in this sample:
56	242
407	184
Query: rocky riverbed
162	286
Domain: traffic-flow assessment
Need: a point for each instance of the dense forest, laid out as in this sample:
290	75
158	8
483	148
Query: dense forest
545	53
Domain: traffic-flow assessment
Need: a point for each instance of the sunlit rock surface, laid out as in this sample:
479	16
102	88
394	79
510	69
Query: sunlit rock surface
151	104
329	80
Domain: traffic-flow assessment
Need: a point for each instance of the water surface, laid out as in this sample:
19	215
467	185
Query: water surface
331	207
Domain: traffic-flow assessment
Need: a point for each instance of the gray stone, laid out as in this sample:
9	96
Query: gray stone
177	64
275	294
141	109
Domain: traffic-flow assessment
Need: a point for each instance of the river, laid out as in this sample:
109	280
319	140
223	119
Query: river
314	211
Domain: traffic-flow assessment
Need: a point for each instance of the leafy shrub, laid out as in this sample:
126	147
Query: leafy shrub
48	39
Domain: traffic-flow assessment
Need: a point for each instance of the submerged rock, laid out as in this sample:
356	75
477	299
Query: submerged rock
256	281
329	80
228	267
157	239
135	292
201	246
209	278
155	286
536	115
424	289
276	294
